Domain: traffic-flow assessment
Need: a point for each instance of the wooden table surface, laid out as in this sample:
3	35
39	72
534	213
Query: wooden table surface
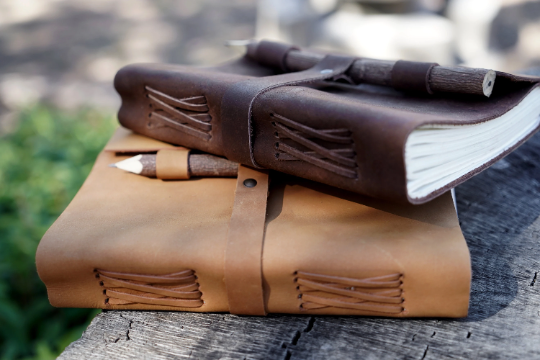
499	212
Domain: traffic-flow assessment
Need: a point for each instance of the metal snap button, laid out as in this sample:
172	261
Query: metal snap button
250	183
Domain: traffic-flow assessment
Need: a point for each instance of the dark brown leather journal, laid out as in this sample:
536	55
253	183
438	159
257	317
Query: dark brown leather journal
397	145
250	246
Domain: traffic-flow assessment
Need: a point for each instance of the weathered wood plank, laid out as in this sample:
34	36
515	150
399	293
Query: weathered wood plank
500	216
163	335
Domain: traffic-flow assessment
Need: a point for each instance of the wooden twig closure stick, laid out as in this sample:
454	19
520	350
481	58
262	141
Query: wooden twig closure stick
443	79
211	166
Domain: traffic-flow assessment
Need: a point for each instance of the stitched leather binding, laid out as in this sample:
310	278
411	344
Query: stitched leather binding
189	115
331	149
177	289
381	294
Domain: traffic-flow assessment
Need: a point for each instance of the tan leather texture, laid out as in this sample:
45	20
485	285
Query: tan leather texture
243	257
351	137
131	242
172	164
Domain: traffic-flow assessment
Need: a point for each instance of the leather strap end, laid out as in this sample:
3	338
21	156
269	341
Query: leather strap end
412	76
172	164
245	239
272	54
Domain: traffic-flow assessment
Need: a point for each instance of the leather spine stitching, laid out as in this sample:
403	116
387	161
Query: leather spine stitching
175	125
326	153
328	134
382	294
340	160
193	103
176	290
189	115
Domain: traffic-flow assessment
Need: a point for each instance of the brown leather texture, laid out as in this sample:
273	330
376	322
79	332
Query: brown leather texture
272	54
131	242
240	98
412	76
124	139
351	137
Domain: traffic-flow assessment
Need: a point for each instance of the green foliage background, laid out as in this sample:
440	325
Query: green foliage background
43	162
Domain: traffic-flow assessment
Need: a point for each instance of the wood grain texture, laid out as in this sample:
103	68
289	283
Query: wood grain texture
208	165
500	216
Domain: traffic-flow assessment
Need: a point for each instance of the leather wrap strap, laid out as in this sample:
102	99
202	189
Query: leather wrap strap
412	76
243	257
238	101
172	164
273	54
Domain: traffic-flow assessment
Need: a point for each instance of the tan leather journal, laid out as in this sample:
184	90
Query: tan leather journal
260	243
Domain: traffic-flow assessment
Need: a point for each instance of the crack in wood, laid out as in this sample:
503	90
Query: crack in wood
297	336
129	329
310	325
288	355
130	323
534	279
425	352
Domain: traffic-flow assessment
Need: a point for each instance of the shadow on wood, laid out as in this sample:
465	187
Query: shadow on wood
495	208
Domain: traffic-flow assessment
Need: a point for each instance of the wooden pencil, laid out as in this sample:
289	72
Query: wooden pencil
199	165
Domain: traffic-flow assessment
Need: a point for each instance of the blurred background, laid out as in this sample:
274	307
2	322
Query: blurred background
57	103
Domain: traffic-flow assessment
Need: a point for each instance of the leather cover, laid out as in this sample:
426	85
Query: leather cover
131	242
351	137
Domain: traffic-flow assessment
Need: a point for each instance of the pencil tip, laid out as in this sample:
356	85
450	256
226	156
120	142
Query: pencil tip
132	164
